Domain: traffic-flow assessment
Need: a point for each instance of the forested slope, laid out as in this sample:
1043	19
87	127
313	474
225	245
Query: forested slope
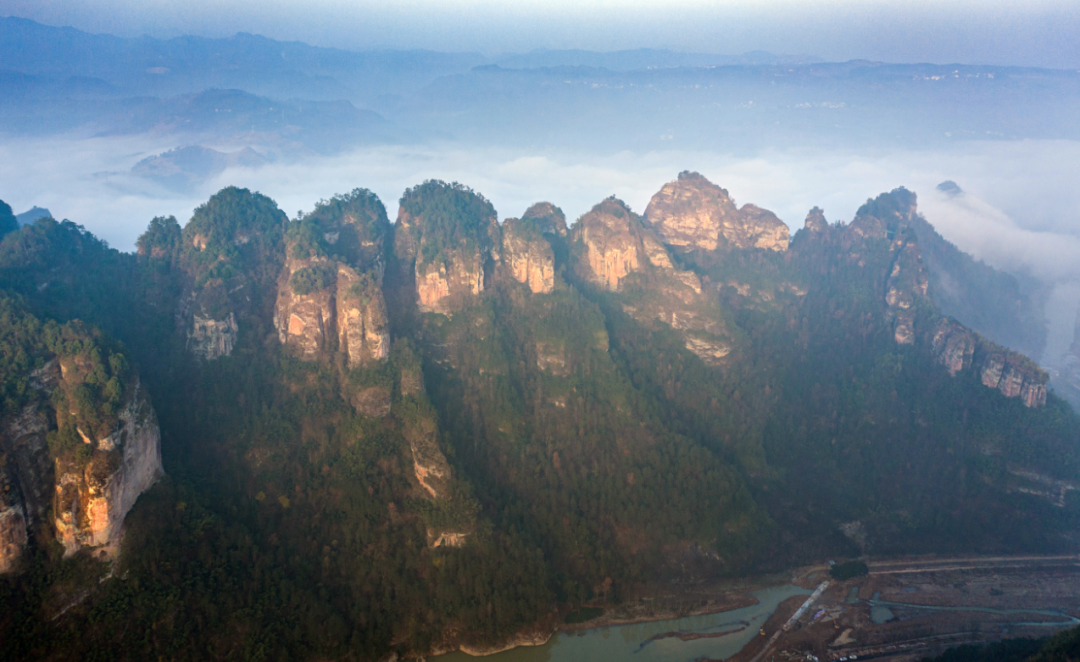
446	432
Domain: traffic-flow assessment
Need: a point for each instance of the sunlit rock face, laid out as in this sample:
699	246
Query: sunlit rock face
441	287
91	493
694	213
362	326
528	255
90	505
304	316
448	236
330	296
614	250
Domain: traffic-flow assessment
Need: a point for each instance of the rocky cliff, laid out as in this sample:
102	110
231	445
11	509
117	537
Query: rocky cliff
363	333
615	250
1003	307
528	255
894	217
449	238
1013	374
905	286
77	454
693	213
329	295
305	312
210	338
231	250
93	499
959	348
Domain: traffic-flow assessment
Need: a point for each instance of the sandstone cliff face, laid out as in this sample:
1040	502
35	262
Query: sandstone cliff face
906	285
1014	375
363	332
694	213
442	287
91	502
449	238
88	499
329	295
304	314
953	346
231	250
612	244
528	256
347	314
958	348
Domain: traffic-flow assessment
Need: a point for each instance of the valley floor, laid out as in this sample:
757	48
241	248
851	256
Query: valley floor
905	609
909	609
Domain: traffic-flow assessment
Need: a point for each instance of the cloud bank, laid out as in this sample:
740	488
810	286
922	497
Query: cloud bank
1020	210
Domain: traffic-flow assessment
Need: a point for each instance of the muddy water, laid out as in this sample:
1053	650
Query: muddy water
635	642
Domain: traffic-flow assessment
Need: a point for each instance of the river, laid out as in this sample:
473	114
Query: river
635	642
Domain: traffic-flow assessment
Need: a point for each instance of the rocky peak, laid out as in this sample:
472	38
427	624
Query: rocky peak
953	345
548	218
693	213
528	254
616	251
815	221
231	249
882	217
449	236
610	236
330	292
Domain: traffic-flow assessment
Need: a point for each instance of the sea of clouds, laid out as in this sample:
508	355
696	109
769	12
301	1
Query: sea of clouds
1020	210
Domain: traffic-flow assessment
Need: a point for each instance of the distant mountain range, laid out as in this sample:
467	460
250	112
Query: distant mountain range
61	80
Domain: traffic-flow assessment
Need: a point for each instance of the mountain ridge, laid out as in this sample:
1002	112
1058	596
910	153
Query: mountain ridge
440	433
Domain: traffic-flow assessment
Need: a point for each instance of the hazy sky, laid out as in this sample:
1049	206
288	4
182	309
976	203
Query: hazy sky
1022	32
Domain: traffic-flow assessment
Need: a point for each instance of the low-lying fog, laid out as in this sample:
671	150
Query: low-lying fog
1018	212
